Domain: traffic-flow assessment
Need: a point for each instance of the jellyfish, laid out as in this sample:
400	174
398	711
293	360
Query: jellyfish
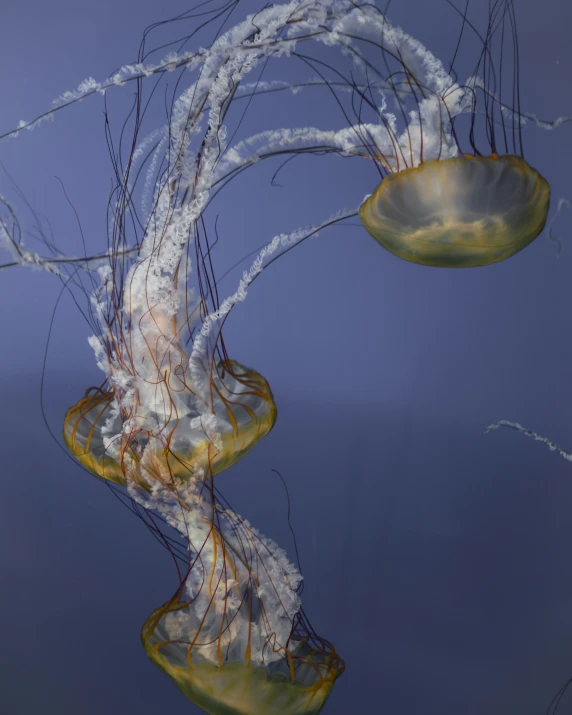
444	201
458	212
242	401
234	638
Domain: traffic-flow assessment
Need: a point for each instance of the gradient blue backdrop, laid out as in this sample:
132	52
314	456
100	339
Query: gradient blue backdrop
436	559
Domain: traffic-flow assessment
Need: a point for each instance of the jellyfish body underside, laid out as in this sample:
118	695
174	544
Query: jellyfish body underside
459	212
242	687
249	413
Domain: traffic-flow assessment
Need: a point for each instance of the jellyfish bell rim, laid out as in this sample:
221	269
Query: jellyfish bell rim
242	688
430	244
235	442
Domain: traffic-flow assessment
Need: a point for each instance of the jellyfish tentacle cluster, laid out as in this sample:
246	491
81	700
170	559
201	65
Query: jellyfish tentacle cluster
234	634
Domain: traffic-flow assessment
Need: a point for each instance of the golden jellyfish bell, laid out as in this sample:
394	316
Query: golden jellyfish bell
459	212
298	683
245	412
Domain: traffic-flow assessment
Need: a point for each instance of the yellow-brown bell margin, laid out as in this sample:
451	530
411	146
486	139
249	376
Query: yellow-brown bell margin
248	412
297	685
459	212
